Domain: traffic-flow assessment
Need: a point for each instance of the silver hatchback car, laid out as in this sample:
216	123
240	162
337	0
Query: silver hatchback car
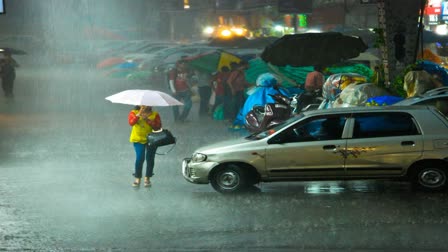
393	142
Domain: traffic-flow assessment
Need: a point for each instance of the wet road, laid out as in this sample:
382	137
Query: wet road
65	184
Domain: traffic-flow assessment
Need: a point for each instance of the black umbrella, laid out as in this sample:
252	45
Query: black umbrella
9	50
309	49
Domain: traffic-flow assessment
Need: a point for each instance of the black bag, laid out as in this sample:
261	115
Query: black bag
160	138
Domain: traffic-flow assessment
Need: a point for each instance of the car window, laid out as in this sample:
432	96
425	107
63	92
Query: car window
384	125
315	129
441	103
272	130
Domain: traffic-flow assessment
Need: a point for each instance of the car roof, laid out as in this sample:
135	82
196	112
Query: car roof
364	109
436	91
416	99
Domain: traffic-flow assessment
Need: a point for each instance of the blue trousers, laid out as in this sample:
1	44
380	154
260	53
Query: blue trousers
184	96
142	152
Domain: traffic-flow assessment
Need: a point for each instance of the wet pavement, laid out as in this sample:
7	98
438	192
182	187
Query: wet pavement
65	185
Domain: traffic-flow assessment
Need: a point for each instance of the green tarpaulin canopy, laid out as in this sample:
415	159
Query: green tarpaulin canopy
293	76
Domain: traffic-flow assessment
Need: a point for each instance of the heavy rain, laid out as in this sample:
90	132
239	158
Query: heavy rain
67	163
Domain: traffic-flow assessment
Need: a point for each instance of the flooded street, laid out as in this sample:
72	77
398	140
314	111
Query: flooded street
66	169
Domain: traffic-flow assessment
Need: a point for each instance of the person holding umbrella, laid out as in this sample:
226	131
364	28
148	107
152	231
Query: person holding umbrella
8	73
144	120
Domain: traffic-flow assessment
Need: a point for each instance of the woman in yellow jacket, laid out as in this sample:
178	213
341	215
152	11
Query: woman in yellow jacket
143	121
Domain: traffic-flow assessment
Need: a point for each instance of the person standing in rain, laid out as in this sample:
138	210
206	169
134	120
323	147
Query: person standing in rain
8	73
205	91
143	120
313	85
238	84
315	79
179	79
218	83
229	94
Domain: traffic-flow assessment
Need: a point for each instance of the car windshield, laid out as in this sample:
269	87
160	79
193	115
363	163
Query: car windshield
273	129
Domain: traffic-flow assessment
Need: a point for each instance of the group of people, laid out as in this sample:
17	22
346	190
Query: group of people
228	85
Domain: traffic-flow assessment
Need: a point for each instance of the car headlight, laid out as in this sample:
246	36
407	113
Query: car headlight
198	157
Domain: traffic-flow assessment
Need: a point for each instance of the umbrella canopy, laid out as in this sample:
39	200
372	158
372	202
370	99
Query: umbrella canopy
144	97
119	73
308	49
291	76
109	62
127	65
212	61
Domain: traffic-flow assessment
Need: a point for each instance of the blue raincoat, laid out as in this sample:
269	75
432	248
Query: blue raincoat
266	85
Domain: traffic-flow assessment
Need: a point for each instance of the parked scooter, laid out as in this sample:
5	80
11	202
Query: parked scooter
306	101
263	117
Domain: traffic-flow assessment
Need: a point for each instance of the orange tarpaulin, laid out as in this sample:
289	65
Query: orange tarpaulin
110	62
430	56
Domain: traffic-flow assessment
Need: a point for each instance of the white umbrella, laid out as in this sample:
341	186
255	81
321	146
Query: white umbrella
144	97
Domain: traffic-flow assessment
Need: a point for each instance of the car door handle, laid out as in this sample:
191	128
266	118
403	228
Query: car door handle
407	143
329	147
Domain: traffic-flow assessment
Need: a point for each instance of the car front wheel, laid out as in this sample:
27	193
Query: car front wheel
229	179
431	178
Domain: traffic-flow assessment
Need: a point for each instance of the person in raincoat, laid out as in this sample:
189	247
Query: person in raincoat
267	84
143	120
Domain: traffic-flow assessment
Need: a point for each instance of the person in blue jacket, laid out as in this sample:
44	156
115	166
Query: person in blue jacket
267	84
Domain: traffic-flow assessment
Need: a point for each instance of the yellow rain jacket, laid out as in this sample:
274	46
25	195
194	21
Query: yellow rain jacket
140	127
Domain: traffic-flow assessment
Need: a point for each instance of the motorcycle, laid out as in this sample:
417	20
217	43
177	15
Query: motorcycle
306	101
263	117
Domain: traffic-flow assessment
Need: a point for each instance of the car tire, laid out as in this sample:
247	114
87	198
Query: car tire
229	179
430	178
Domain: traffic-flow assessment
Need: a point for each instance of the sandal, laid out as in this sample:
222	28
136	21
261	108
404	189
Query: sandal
136	183
147	183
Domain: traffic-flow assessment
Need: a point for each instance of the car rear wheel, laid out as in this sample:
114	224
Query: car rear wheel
229	179
431	178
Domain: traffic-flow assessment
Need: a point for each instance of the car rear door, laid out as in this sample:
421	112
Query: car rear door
308	149
382	144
